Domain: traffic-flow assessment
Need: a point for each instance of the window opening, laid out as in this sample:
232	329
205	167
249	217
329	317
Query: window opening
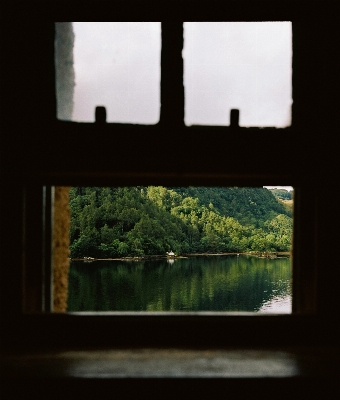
244	66
238	65
155	248
118	236
110	64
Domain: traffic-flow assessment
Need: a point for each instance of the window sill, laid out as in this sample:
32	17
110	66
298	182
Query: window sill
169	373
283	362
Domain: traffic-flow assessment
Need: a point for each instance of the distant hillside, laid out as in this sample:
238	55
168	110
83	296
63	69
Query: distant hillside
285	197
288	205
136	221
250	206
282	194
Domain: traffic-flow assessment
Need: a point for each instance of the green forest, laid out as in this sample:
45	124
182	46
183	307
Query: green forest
115	222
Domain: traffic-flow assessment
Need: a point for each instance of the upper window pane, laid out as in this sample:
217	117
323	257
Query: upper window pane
242	65
116	65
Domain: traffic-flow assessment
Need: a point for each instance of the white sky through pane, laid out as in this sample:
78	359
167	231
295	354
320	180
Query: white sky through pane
117	65
243	65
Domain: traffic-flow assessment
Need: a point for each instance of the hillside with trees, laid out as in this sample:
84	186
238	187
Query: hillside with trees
282	194
115	222
285	197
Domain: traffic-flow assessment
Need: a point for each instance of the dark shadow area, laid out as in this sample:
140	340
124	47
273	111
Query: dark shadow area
44	354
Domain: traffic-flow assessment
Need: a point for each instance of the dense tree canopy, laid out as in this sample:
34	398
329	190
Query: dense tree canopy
135	221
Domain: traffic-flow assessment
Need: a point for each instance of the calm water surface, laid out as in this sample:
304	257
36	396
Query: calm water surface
205	283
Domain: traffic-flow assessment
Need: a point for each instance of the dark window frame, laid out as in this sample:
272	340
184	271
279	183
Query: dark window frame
206	167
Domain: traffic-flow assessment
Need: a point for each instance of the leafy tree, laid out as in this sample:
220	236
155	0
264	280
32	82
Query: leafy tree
135	221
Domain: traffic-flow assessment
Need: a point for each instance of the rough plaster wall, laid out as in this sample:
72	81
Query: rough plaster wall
65	76
61	250
65	82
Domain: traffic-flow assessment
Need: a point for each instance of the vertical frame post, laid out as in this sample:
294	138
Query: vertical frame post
172	88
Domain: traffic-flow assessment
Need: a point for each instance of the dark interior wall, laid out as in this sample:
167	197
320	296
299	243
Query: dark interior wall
27	109
36	150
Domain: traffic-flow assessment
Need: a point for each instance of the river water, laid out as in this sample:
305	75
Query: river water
201	283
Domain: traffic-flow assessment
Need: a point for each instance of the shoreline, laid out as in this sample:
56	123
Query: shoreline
267	254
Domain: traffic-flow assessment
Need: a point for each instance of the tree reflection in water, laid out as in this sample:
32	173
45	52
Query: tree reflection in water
205	283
